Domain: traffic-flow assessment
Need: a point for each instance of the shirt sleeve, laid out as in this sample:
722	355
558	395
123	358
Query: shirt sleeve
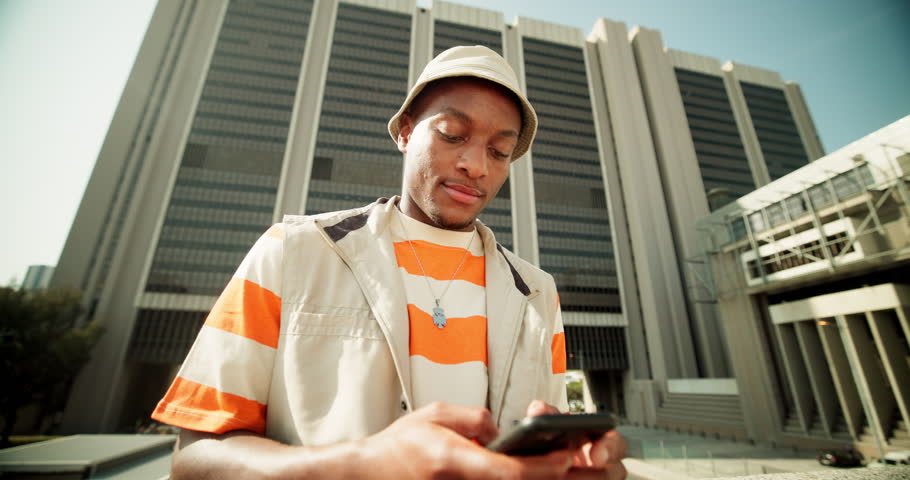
558	394
224	382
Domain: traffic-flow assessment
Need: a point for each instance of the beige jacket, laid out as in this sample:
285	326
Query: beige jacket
342	367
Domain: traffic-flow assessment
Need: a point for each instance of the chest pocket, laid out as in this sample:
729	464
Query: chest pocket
336	378
333	322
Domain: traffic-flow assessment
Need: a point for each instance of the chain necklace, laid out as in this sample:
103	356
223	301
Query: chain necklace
439	314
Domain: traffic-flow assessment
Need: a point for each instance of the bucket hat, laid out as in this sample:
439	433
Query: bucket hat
475	61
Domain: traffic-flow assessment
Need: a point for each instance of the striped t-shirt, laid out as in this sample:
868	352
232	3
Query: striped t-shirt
224	382
447	364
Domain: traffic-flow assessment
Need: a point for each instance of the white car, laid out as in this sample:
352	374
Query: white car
893	458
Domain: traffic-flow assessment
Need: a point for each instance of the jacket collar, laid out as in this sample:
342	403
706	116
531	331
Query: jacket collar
354	235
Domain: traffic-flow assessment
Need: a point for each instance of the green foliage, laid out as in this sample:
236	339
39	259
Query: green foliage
576	396
41	348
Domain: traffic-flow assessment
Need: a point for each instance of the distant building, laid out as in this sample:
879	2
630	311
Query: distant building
238	112
811	276
37	277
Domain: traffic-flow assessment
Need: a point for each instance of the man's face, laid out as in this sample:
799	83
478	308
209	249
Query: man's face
458	142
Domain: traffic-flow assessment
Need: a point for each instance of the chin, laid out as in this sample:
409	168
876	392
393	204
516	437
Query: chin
452	222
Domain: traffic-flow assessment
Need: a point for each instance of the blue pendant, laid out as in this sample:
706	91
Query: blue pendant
439	317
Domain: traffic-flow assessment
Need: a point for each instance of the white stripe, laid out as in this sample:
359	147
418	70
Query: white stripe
230	363
463	384
262	264
462	299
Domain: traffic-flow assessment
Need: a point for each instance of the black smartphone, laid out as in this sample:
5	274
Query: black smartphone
546	433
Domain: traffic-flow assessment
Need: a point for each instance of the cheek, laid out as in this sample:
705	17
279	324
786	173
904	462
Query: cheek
502	172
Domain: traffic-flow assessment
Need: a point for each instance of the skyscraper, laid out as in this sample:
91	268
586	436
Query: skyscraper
37	277
240	111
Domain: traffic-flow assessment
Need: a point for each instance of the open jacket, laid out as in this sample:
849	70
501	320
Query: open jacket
339	368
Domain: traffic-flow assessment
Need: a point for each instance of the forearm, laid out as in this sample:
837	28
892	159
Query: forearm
247	455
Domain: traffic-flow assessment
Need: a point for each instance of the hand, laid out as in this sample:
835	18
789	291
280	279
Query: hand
444	441
601	459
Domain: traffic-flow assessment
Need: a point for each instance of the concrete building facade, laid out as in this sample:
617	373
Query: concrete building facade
37	277
238	112
810	274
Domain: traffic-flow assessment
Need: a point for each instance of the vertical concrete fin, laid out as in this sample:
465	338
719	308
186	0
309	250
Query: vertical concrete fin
819	380
839	366
894	356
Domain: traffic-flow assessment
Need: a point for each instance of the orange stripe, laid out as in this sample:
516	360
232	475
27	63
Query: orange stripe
558	352
248	310
194	406
440	262
275	231
462	340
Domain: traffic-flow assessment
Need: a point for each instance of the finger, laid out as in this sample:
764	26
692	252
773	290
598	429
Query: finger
482	464
586	473
469	422
598	452
617	471
552	465
539	407
616	446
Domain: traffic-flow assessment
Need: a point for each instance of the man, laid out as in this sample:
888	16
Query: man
393	340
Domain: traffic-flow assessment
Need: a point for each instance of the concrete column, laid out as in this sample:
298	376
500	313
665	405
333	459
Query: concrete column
656	265
796	374
297	166
746	128
803	120
682	183
96	399
836	358
524	209
587	396
894	356
619	223
903	316
422	26
88	239
819	379
749	343
873	389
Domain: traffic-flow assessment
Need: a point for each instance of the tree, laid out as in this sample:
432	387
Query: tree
576	396
42	348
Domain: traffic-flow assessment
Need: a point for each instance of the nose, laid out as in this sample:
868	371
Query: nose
472	159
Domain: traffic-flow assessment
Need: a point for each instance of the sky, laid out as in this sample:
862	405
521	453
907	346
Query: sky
64	64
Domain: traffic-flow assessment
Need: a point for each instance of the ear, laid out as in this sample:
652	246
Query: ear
405	128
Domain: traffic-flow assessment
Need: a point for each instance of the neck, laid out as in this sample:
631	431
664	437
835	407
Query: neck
412	210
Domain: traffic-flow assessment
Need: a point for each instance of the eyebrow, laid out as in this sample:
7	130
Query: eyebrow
465	118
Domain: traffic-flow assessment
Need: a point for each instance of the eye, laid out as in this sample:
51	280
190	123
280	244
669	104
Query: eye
449	138
500	155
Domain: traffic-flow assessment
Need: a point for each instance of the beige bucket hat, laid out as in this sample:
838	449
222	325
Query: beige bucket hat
477	61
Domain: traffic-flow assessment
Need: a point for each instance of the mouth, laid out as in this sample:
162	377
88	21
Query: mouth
462	193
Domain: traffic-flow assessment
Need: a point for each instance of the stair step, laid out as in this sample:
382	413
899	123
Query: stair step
842	436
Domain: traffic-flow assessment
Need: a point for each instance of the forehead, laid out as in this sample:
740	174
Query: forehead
443	93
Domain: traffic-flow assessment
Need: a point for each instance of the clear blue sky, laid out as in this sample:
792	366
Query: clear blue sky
65	63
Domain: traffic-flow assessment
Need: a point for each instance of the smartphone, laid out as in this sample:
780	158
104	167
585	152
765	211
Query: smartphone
546	433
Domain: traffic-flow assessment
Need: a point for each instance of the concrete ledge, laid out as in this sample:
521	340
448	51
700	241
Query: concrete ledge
889	473
639	470
87	456
703	386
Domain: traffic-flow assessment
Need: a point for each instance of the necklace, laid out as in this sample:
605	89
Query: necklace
439	314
